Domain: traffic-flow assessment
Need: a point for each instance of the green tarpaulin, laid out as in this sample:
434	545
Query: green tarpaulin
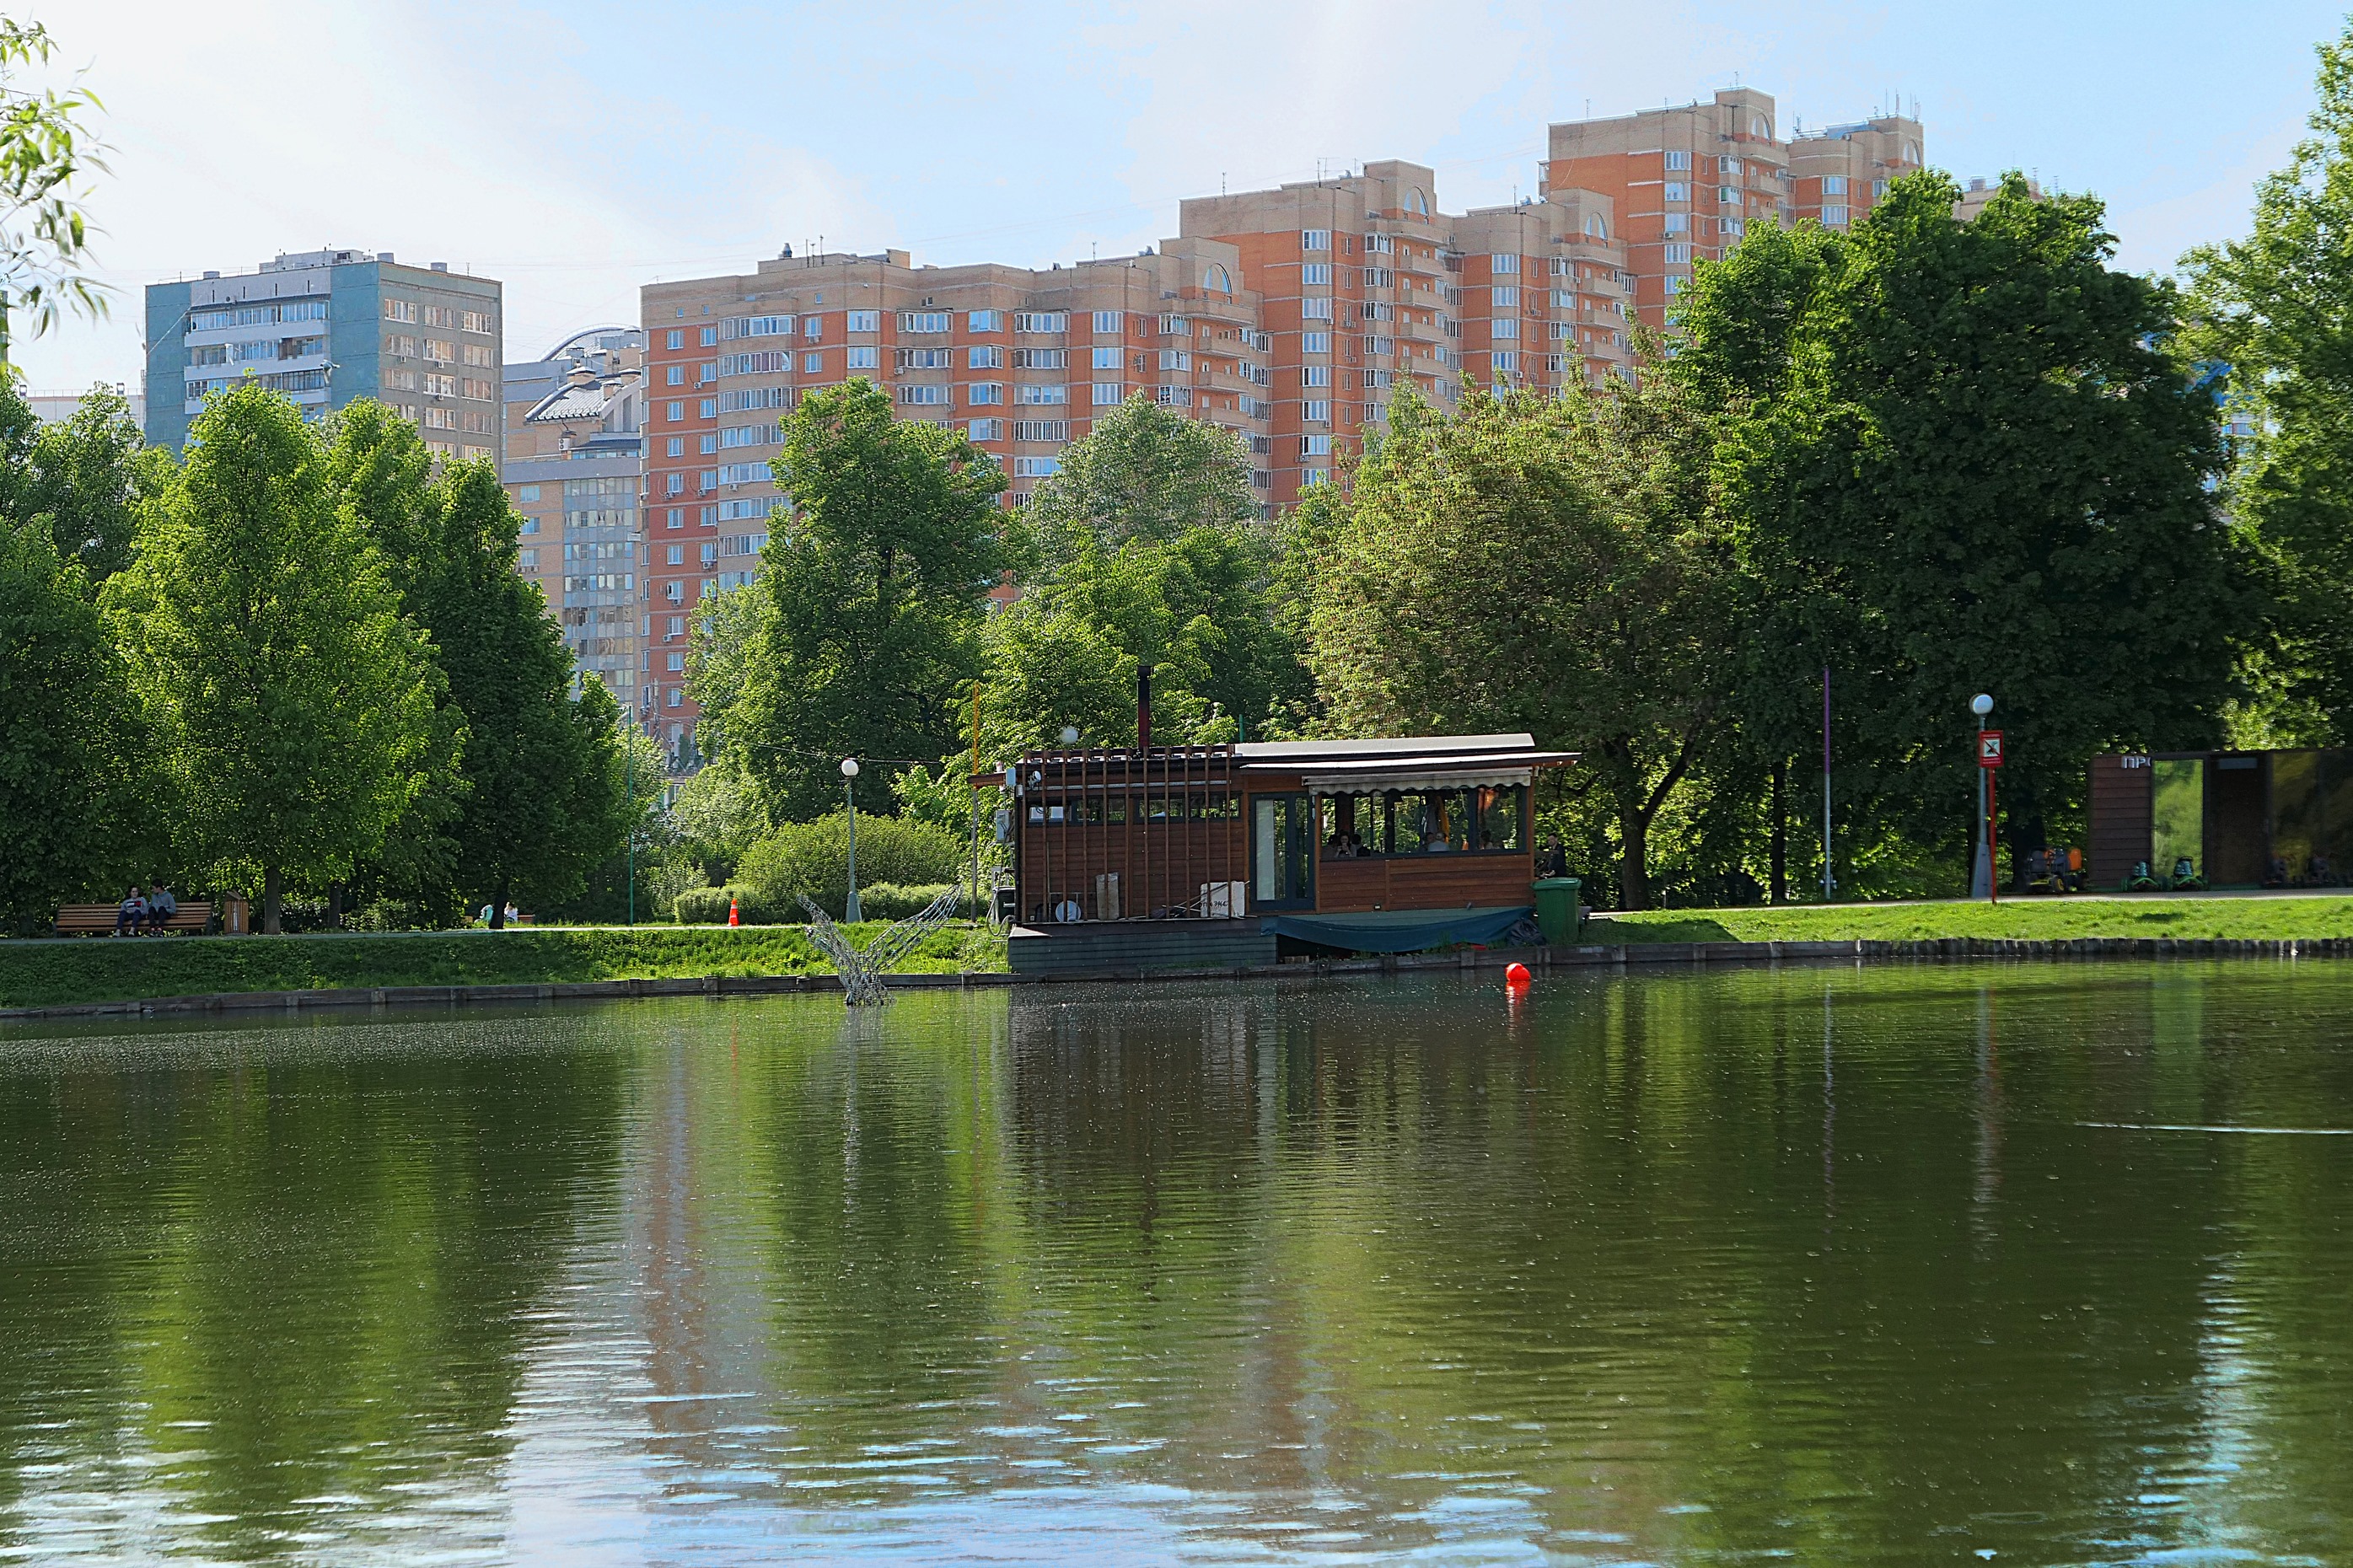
1398	930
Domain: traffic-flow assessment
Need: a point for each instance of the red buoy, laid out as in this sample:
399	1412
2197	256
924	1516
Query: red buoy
735	915
1516	975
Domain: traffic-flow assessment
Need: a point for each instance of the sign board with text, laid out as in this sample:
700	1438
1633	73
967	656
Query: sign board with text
1988	747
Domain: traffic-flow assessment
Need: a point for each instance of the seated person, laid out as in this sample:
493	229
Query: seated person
2076	874
161	907
2038	868
2275	873
2320	874
131	912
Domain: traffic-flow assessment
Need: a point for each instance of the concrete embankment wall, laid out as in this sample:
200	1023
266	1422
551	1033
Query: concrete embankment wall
1633	955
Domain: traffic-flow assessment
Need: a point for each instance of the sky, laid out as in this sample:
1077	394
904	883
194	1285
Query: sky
577	151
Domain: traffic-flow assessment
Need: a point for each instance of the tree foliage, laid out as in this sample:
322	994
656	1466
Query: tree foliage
866	624
532	809
45	148
1541	565
79	480
291	704
69	807
2275	311
1978	464
1143	472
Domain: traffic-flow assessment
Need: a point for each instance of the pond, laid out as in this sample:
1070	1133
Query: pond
2030	1264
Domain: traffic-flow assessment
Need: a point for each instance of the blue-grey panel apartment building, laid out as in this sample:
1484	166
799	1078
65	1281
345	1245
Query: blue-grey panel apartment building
325	327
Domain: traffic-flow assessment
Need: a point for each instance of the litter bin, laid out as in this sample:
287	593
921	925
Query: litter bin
1557	908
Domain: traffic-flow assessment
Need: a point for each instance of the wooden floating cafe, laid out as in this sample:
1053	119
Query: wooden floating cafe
1201	857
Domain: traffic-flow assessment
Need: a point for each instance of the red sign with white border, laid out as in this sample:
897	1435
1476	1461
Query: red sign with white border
1988	747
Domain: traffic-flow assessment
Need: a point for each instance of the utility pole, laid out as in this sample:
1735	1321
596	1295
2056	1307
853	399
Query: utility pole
849	792
1981	854
1830	881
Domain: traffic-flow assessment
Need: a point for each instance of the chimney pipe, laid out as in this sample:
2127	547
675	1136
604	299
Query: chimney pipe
1143	707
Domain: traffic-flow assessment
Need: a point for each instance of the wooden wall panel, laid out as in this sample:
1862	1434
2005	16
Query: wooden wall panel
1423	882
2120	819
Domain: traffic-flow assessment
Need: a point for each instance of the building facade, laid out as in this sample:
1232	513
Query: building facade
59	408
325	327
1686	182
574	468
1021	359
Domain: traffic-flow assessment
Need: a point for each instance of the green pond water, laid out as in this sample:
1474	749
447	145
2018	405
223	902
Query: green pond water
2033	1264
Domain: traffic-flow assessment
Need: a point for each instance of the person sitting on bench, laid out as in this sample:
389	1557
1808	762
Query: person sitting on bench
129	913
161	907
2319	873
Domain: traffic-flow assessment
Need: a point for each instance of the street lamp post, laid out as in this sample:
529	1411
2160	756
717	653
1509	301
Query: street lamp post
1981	861
849	794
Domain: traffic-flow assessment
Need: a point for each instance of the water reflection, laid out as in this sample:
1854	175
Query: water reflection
1831	1265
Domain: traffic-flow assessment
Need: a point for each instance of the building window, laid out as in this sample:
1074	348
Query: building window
866	321
1316	343
1503	327
984	320
1316	309
1676	254
1315	239
673	484
923	395
864	357
1041	321
709	408
1106	358
987	356
1316	375
1677	223
1510	264
1676	190
923	321
1315	445
1317	274
677	375
1176	359
677	446
677	411
1678	159
813	329
709	442
526	493
675	555
985	430
983	393
1315	412
1107	394
1833	184
677	698
1106	324
1218	280
1835	216
1036	467
1040	359
1033	392
1503	296
677	517
674	626
1675	284
1055	430
1879	190
1504	362
709	337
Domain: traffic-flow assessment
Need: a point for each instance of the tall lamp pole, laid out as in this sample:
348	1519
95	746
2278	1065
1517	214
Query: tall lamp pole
1981	860
849	794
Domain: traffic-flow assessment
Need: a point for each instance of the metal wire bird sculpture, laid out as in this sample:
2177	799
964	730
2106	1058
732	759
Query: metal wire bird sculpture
862	970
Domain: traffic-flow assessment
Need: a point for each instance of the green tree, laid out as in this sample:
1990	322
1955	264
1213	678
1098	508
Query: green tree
874	589
1550	566
291	702
45	148
76	480
1146	472
1980	465
68	800
2275	309
533	809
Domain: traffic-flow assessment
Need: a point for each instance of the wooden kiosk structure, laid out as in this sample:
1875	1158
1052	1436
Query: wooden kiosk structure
2241	818
1187	857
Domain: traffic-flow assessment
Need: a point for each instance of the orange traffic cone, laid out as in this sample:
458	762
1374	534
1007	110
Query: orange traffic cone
735	915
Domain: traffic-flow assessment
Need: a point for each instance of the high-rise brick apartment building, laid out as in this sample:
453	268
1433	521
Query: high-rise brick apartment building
1687	181
1022	359
1367	283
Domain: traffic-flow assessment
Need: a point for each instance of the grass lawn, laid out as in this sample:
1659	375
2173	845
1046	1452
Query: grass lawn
2035	919
103	969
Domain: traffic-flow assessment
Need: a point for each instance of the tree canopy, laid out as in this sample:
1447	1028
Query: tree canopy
1143	472
291	702
866	625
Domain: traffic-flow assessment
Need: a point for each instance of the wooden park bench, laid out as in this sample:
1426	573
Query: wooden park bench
193	917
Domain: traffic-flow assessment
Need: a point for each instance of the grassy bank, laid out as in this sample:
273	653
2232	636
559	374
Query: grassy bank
2030	919
102	969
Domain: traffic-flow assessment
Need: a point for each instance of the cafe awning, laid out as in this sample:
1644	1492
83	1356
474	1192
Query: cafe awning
1437	771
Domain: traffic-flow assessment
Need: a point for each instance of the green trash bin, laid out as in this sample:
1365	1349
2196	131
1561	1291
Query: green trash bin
1556	909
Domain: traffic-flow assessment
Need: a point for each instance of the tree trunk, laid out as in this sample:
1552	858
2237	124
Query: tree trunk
499	906
272	891
1634	864
1778	852
334	906
2026	834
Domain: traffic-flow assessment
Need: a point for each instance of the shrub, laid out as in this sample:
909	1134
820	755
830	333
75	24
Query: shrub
891	901
708	906
813	858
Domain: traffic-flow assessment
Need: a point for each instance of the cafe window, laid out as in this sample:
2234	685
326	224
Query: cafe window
1422	822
